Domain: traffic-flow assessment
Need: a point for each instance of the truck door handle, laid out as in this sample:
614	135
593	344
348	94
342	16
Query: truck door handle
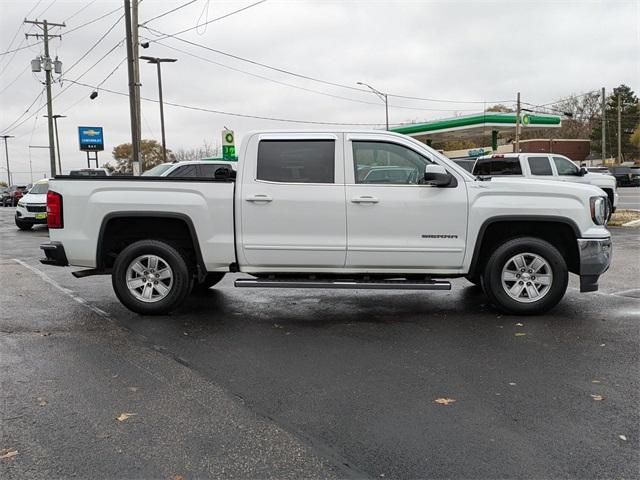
259	198
364	199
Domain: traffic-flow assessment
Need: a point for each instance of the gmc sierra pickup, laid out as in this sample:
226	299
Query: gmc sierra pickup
331	210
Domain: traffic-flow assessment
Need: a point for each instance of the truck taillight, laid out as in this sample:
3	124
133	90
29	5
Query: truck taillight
54	210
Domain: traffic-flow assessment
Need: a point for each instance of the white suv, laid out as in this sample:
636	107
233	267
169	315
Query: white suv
32	207
191	168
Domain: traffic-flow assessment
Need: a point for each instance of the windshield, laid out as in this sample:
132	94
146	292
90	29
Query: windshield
158	170
39	188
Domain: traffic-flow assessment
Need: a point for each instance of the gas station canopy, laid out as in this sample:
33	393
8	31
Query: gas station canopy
477	124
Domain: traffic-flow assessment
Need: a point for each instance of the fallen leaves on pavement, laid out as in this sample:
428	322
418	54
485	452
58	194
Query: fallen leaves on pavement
597	398
622	437
42	402
519	334
444	401
124	416
8	453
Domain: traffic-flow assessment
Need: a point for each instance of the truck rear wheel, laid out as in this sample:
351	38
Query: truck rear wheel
525	276
150	277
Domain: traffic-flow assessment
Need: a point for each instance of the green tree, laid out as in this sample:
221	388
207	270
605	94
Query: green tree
150	153
3	184
629	118
500	108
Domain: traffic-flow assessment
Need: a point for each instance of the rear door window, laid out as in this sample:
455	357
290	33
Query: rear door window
498	166
296	161
209	170
185	171
540	166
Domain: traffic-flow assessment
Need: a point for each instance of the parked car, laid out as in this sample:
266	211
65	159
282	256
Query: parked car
191	168
626	176
13	194
542	166
89	172
32	207
297	216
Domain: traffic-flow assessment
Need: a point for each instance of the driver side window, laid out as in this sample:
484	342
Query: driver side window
387	163
564	166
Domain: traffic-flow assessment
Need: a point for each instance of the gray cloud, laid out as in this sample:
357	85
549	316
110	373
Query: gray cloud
480	50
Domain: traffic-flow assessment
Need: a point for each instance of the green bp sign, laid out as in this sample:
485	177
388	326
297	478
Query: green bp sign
228	145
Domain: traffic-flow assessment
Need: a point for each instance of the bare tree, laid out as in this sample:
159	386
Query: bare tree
206	150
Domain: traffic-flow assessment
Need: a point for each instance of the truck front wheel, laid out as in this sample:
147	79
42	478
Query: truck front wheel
150	277
525	276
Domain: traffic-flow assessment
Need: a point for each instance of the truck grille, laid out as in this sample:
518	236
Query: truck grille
36	208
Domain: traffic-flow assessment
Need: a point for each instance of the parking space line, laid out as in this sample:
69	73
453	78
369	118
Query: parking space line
64	290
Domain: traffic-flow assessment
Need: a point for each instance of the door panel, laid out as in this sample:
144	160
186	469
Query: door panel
299	221
401	223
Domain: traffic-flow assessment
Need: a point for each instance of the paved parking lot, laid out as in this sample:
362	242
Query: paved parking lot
291	383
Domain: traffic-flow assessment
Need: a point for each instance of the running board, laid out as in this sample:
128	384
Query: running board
346	284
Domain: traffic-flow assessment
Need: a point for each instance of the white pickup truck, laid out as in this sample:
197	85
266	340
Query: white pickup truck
545	166
331	210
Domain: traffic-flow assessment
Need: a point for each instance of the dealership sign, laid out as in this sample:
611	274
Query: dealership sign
91	139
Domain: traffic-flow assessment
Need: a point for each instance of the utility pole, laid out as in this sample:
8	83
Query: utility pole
158	61
382	96
619	129
604	127
136	70
133	110
518	111
44	25
6	151
55	124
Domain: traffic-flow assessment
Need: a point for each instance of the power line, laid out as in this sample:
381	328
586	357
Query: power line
279	82
305	77
11	125
170	11
104	35
18	49
215	19
82	9
93	21
27	66
233	114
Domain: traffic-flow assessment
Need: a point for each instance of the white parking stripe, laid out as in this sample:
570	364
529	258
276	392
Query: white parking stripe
64	290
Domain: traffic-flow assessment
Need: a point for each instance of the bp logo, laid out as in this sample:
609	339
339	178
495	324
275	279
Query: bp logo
228	138
525	119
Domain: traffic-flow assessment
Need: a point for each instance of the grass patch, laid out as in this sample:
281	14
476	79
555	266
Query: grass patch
623	216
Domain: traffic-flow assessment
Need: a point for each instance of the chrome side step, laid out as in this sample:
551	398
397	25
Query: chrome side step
345	284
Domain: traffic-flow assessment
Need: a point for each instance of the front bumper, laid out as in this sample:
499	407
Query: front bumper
55	254
23	215
595	258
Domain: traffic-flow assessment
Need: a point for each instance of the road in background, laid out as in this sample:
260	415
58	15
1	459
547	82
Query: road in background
348	380
629	197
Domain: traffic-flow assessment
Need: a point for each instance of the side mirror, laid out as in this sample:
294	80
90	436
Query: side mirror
582	172
437	176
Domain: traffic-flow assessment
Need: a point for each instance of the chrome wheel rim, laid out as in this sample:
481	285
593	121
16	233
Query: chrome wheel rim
527	277
149	278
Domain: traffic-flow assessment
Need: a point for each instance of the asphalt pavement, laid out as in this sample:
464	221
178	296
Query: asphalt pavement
264	383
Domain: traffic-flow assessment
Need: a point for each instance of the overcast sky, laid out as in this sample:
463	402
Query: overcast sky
475	51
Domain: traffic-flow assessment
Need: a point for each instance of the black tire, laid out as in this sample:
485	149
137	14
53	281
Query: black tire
492	276
179	288
23	225
210	280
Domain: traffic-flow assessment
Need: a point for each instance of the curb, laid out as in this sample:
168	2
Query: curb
632	223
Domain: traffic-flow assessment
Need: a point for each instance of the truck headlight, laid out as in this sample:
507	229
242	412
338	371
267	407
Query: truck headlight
599	212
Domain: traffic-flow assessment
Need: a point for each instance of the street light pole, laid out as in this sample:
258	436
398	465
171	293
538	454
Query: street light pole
384	97
6	151
158	61
55	123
